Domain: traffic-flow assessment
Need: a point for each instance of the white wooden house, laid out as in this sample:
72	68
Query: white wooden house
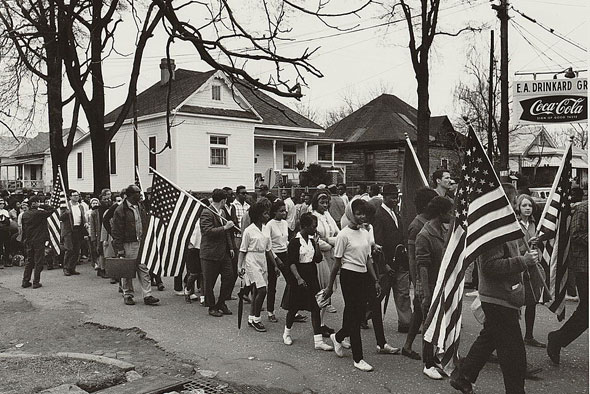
220	137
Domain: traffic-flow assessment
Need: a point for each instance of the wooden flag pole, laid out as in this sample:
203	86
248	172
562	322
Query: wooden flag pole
424	180
194	198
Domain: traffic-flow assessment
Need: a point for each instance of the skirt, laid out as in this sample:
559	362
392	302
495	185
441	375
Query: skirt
256	269
301	298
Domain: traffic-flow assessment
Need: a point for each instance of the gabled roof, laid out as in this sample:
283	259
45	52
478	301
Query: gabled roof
152	101
525	138
384	119
40	144
8	145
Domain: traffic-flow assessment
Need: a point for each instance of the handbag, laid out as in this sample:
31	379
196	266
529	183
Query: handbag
322	302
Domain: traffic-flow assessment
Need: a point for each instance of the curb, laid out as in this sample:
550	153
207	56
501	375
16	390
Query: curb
125	366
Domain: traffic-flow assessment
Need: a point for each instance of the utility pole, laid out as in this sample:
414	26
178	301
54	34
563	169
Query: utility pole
135	147
502	11
491	101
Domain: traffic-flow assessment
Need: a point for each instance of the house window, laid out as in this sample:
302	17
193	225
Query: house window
369	165
216	92
152	160
79	172
289	156
113	158
218	150
444	164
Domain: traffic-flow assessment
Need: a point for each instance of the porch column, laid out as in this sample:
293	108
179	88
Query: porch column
333	147
274	155
305	152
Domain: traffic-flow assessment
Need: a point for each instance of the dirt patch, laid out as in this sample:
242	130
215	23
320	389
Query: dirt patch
32	375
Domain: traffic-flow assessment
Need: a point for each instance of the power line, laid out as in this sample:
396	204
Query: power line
550	30
537	50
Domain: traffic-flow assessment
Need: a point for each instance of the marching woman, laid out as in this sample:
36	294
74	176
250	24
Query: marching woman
353	259
430	243
525	207
303	256
327	231
252	261
277	229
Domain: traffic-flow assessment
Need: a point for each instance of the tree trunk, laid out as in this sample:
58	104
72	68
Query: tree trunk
100	157
423	126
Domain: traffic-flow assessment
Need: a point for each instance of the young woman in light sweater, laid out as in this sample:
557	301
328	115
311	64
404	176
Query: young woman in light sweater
277	229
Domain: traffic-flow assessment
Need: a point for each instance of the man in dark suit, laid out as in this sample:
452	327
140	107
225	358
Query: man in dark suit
229	212
73	229
394	272
216	254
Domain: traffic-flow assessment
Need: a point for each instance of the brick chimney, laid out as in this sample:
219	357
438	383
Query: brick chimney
164	74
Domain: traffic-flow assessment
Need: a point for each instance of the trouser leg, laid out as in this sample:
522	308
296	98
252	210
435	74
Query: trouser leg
227	282
29	264
39	256
271	289
376	316
211	270
401	296
355	298
578	321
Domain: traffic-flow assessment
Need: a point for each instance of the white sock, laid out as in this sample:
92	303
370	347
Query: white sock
256	319
287	331
271	313
250	318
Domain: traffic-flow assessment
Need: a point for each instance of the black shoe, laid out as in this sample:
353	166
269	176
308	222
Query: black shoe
114	281
258	326
150	300
225	310
129	300
215	313
553	348
26	284
534	343
326	331
49	267
74	272
364	325
37	285
67	273
532	371
300	318
411	354
161	287
458	382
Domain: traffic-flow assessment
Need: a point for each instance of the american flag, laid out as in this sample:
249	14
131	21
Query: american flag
174	214
484	218
58	200
553	229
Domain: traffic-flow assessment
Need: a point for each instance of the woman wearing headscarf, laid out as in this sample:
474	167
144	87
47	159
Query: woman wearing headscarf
353	259
327	231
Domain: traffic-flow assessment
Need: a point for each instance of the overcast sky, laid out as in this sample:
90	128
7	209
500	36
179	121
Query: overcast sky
358	64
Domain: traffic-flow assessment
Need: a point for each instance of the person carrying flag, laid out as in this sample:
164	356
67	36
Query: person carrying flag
501	291
35	235
128	228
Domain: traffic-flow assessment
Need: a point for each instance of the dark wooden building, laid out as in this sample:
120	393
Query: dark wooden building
374	141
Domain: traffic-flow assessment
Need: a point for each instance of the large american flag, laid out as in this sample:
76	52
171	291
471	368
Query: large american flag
553	229
174	214
484	219
58	200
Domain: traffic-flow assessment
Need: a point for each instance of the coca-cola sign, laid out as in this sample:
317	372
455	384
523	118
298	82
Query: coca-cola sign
551	101
554	109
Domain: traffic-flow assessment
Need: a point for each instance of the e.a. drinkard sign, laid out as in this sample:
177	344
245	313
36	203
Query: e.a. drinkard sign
551	101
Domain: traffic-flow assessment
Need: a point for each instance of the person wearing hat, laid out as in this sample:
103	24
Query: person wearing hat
35	235
394	272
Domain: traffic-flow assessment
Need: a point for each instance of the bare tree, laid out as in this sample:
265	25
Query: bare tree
421	38
31	57
353	99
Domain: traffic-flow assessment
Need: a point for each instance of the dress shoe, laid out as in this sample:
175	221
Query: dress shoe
67	273
26	284
553	348
161	287
533	342
74	272
532	371
216	313
150	300
258	326
387	349
459	382
411	354
129	300
326	331
37	285
273	319
300	318
113	281
225	310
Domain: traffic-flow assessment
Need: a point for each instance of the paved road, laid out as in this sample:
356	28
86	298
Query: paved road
249	357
